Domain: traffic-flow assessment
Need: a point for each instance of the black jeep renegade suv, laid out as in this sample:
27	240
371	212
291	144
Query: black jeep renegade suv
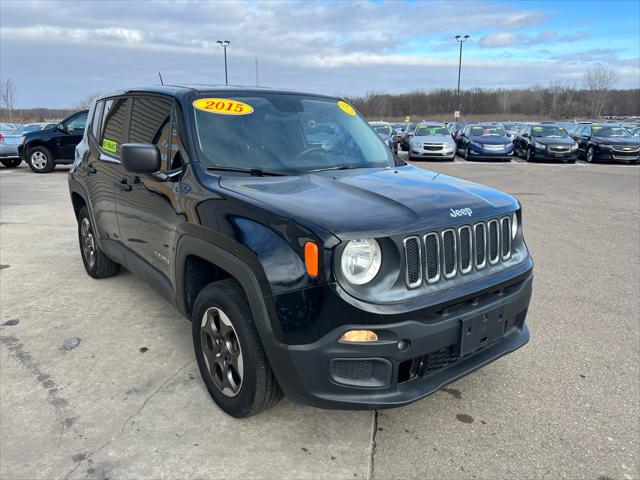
310	260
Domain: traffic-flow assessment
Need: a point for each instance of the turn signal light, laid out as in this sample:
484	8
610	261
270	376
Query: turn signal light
359	336
311	258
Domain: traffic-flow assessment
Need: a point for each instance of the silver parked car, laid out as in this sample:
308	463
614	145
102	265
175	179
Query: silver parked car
9	139
432	140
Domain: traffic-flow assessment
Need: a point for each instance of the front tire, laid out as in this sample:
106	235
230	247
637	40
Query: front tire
229	353
96	263
40	160
466	153
590	155
529	155
11	162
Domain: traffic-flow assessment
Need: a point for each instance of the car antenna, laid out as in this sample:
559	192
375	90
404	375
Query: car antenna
160	75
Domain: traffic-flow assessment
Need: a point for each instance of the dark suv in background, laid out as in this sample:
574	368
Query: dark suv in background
44	149
326	269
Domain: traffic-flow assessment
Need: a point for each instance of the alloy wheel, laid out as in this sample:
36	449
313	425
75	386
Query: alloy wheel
590	155
222	351
39	160
88	242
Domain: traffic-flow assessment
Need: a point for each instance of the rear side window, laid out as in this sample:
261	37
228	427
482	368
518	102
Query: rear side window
151	123
95	121
114	119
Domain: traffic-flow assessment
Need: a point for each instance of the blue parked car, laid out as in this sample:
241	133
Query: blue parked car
484	141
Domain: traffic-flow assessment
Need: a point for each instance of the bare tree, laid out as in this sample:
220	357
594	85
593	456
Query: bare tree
85	102
8	96
598	80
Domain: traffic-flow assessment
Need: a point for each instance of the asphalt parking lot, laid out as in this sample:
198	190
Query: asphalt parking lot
98	379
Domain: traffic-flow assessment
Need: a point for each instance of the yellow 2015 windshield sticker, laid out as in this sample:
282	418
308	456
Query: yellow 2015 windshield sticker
223	106
110	145
346	108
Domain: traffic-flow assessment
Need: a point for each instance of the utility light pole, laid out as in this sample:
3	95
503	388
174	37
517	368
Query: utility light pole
224	44
460	39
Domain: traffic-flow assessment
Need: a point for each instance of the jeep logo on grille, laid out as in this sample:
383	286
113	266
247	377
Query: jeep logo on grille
460	212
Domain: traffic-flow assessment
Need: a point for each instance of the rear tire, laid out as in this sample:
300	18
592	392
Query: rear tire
96	263
40	160
229	353
11	162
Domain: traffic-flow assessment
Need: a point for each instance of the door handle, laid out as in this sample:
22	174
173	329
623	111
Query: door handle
123	185
88	168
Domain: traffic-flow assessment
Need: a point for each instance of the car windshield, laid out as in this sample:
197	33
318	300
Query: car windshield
510	126
487	131
427	130
550	131
285	134
385	129
599	131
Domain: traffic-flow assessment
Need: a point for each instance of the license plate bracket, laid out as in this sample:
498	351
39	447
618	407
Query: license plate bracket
481	330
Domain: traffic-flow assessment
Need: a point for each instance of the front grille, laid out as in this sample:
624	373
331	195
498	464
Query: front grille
432	146
432	249
633	151
558	148
451	252
506	237
493	241
437	360
413	259
466	251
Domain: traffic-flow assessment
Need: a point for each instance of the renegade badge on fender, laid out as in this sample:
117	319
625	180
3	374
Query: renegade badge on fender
322	268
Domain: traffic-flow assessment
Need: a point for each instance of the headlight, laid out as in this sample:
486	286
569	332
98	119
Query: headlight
606	146
539	145
21	141
361	260
514	226
476	145
574	147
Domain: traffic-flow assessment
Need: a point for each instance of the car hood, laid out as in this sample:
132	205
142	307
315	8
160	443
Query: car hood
491	140
627	142
372	203
555	141
434	138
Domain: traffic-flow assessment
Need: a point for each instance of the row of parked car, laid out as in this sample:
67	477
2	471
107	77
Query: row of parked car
41	145
559	141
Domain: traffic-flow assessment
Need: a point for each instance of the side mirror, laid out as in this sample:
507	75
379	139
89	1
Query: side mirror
525	135
140	157
61	127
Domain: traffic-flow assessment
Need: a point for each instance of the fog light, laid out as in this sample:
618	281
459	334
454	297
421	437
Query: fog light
359	336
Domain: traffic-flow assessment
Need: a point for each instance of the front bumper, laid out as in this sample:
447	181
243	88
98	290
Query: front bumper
432	153
562	156
21	153
443	347
484	154
616	156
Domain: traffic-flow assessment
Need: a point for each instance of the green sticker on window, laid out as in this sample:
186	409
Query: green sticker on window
110	145
537	128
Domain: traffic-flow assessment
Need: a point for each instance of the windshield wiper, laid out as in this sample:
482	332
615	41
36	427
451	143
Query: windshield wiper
341	167
258	172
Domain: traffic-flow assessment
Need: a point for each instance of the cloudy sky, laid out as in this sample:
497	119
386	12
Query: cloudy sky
56	52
